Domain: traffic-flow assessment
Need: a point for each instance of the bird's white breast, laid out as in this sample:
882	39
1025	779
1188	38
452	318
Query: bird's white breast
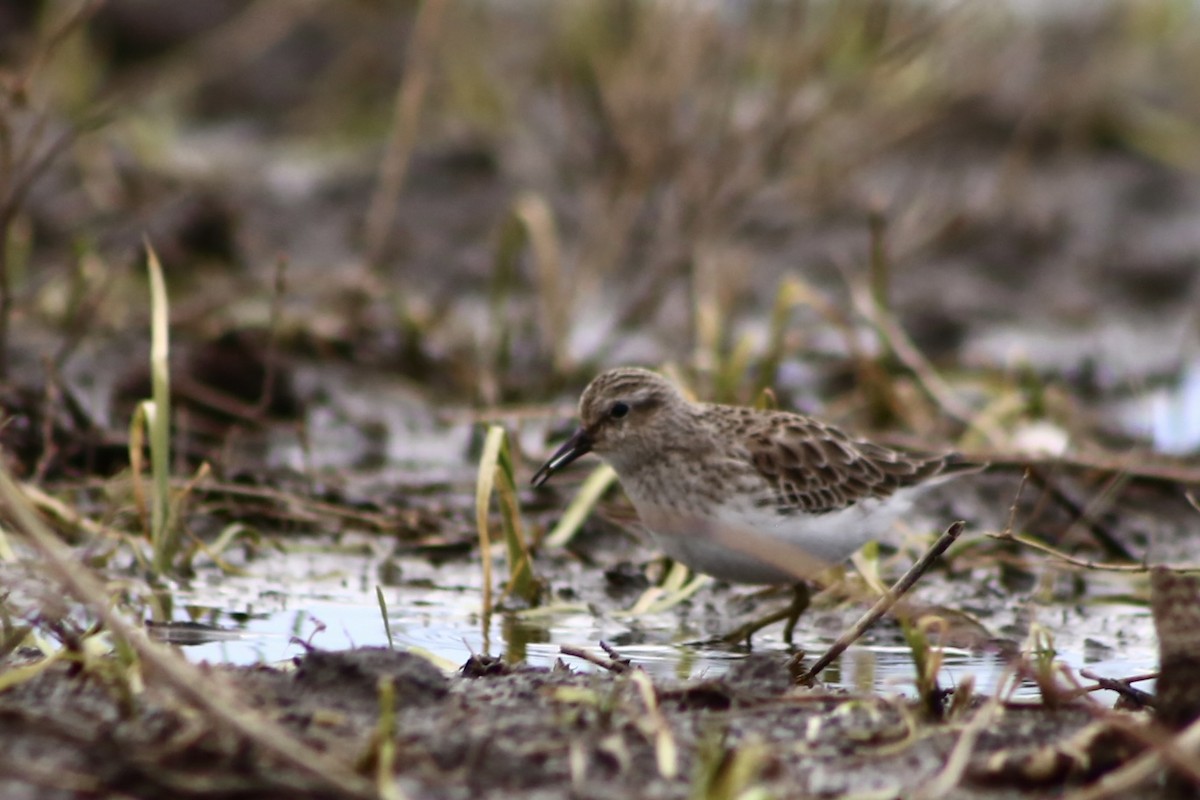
742	543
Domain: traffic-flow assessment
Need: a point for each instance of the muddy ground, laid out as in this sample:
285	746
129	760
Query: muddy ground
386	226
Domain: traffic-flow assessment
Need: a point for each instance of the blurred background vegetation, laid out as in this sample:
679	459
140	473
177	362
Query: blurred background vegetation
494	200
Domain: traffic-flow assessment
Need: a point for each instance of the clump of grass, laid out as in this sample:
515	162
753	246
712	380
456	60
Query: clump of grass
497	478
725	771
152	421
927	662
1045	667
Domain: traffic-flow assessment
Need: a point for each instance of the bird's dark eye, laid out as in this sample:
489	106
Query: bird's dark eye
618	410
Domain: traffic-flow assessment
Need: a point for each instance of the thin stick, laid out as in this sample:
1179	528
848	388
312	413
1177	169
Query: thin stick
610	664
1139	466
886	602
1120	686
1085	563
1088	515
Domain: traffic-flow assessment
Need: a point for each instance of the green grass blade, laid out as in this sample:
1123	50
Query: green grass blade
483	499
581	505
162	533
387	625
521	580
496	477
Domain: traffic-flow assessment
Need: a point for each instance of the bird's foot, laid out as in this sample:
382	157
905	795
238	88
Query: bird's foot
791	614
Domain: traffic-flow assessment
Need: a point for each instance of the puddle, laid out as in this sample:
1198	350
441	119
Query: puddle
329	600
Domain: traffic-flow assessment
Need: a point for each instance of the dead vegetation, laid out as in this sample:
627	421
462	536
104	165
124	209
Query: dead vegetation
972	226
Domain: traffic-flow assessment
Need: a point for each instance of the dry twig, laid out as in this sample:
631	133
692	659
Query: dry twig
886	602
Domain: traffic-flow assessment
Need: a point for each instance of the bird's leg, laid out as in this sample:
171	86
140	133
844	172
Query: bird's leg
800	598
791	613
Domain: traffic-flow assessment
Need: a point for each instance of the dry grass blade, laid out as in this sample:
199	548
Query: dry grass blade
612	663
537	220
666	752
384	742
725	771
139	423
406	119
206	692
960	756
590	492
6	551
225	539
658	599
15	676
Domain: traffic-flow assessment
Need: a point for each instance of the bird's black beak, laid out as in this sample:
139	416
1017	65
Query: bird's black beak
578	445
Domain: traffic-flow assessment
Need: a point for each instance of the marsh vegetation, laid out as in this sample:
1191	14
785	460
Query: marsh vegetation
294	297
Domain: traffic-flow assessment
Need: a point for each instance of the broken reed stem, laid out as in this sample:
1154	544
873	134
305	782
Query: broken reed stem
205	692
886	602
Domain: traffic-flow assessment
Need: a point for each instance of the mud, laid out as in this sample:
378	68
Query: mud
499	731
969	229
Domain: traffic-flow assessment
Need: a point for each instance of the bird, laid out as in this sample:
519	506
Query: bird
747	495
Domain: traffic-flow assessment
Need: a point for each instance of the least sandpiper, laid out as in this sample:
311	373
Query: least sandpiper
744	494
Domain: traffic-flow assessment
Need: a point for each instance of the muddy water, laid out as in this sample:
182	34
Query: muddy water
326	596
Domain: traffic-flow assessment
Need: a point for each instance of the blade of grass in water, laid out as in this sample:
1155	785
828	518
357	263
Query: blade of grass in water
483	496
383	612
496	477
162	533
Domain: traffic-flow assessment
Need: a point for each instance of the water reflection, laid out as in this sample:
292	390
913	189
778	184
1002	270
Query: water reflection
243	620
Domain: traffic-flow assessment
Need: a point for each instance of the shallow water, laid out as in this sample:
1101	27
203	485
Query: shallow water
328	599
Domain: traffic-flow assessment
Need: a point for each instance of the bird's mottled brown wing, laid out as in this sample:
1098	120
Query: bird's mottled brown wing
814	468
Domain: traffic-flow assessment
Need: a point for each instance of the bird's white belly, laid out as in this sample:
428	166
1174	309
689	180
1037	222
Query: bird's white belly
753	545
